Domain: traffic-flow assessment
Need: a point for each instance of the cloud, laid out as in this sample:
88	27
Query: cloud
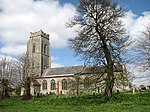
16	49
55	62
54	65
54	58
7	58
135	24
20	17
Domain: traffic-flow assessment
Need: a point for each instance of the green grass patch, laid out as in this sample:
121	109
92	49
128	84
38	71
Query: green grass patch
124	102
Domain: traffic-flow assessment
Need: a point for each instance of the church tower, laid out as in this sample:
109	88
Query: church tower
38	52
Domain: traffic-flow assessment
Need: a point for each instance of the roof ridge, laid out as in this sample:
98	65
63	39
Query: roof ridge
67	67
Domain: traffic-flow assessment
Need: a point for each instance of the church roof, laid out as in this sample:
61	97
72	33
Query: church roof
64	70
78	70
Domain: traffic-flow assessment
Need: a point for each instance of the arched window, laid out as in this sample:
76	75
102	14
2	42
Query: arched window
53	84
45	49
86	82
64	84
33	48
44	85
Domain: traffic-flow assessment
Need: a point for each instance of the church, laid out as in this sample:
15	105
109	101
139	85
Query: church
60	80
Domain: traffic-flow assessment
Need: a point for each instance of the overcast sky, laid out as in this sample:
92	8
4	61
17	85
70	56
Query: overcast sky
20	17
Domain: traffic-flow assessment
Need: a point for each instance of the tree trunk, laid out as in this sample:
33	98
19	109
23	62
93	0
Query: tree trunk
77	85
109	82
109	67
110	74
6	92
5	88
27	88
3	92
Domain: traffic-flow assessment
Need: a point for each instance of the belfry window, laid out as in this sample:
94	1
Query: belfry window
53	84
64	84
45	49
33	48
44	85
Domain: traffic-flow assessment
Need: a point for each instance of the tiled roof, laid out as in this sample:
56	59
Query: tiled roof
78	70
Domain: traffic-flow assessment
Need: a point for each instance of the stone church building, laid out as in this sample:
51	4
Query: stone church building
48	80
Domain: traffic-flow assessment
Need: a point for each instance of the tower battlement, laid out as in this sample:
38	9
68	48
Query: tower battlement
39	33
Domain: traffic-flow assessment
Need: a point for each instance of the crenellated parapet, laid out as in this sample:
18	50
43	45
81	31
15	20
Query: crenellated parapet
39	33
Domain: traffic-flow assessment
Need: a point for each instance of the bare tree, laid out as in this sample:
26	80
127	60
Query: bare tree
100	39
143	49
26	73
9	77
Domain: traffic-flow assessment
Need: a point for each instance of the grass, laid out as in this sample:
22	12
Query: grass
125	102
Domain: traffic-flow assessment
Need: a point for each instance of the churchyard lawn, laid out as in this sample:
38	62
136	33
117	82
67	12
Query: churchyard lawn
122	102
